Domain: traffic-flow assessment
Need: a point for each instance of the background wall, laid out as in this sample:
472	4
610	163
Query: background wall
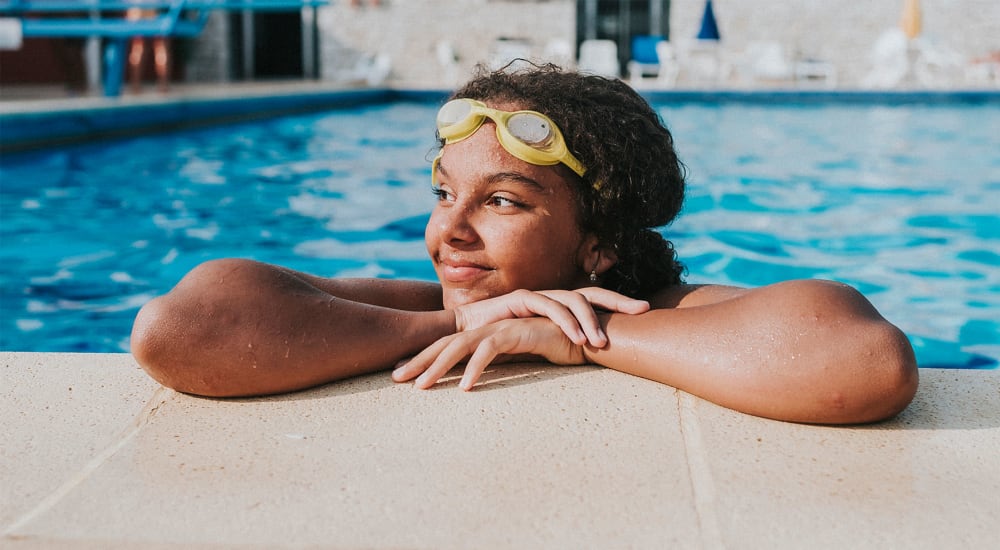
842	32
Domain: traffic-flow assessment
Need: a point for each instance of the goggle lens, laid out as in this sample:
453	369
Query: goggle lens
530	129
452	113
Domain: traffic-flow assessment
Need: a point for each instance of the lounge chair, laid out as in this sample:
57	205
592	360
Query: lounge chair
662	66
702	61
645	61
890	63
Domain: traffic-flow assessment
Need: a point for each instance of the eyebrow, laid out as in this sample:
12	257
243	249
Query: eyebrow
503	176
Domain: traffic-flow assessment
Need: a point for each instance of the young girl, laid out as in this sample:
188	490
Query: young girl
550	185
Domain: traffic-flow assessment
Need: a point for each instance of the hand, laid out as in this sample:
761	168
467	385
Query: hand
536	336
571	310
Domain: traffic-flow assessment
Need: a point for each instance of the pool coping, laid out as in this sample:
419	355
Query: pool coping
97	455
27	125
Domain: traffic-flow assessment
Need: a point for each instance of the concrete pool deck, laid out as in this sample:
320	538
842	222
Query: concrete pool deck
97	455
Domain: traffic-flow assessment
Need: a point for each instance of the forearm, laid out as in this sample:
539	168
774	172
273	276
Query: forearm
391	293
809	353
240	328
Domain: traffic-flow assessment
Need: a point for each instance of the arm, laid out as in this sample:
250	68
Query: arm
805	351
237	327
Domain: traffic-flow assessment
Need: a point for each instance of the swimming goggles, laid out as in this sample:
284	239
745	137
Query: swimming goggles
528	135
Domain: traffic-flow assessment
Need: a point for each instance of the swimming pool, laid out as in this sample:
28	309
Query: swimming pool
899	201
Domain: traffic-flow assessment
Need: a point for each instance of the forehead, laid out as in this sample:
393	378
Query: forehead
503	104
482	156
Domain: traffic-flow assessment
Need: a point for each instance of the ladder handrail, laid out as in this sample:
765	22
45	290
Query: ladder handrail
167	22
105	18
9	7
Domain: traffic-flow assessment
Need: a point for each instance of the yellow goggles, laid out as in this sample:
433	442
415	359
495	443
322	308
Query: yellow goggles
528	135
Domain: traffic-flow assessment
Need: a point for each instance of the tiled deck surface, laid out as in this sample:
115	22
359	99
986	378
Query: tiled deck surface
97	455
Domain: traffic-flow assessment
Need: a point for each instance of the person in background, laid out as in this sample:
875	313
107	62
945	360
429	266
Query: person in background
137	54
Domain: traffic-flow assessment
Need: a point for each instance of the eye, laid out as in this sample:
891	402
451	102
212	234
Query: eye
503	202
442	195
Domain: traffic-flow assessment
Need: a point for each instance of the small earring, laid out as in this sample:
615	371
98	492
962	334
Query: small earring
593	276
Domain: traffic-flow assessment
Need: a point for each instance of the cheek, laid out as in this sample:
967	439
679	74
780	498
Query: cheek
432	231
543	256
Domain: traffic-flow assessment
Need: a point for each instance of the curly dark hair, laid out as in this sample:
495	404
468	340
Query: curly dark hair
625	147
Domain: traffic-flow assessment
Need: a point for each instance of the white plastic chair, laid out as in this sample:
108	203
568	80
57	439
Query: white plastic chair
890	61
599	57
669	65
702	61
766	60
816	70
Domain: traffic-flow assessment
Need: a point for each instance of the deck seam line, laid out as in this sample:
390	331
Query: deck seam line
699	473
141	420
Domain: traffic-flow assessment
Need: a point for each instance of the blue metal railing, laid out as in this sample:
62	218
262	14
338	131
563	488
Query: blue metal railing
105	19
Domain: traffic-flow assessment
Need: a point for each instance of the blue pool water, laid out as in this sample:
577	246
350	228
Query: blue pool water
901	202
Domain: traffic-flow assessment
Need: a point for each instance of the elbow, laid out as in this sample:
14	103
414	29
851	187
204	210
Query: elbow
171	349
155	345
877	374
173	341
882	383
895	377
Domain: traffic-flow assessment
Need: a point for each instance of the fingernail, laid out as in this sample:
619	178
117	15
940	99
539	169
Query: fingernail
601	336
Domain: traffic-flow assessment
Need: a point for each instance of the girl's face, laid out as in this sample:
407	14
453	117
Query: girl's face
502	224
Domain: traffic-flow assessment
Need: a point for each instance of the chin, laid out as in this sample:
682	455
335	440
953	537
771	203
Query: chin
455	297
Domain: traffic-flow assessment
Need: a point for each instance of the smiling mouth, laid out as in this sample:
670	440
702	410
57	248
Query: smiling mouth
462	272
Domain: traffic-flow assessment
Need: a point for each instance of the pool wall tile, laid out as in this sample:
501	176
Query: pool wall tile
109	118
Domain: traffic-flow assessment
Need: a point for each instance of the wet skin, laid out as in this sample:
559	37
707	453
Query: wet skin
502	224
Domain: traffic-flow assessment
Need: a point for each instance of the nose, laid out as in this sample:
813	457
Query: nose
454	224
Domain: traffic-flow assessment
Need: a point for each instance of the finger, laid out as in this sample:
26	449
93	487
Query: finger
584	314
613	301
485	353
410	368
456	351
580	306
544	305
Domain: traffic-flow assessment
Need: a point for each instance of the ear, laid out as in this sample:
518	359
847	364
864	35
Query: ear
595	256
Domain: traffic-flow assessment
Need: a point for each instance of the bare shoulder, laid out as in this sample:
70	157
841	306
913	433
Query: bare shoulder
829	294
681	296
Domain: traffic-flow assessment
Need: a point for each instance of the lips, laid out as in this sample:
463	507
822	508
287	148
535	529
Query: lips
459	271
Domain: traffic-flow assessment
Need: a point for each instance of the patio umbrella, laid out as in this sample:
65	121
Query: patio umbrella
910	21
709	29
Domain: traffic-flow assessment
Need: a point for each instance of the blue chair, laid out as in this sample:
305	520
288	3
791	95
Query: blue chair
644	59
